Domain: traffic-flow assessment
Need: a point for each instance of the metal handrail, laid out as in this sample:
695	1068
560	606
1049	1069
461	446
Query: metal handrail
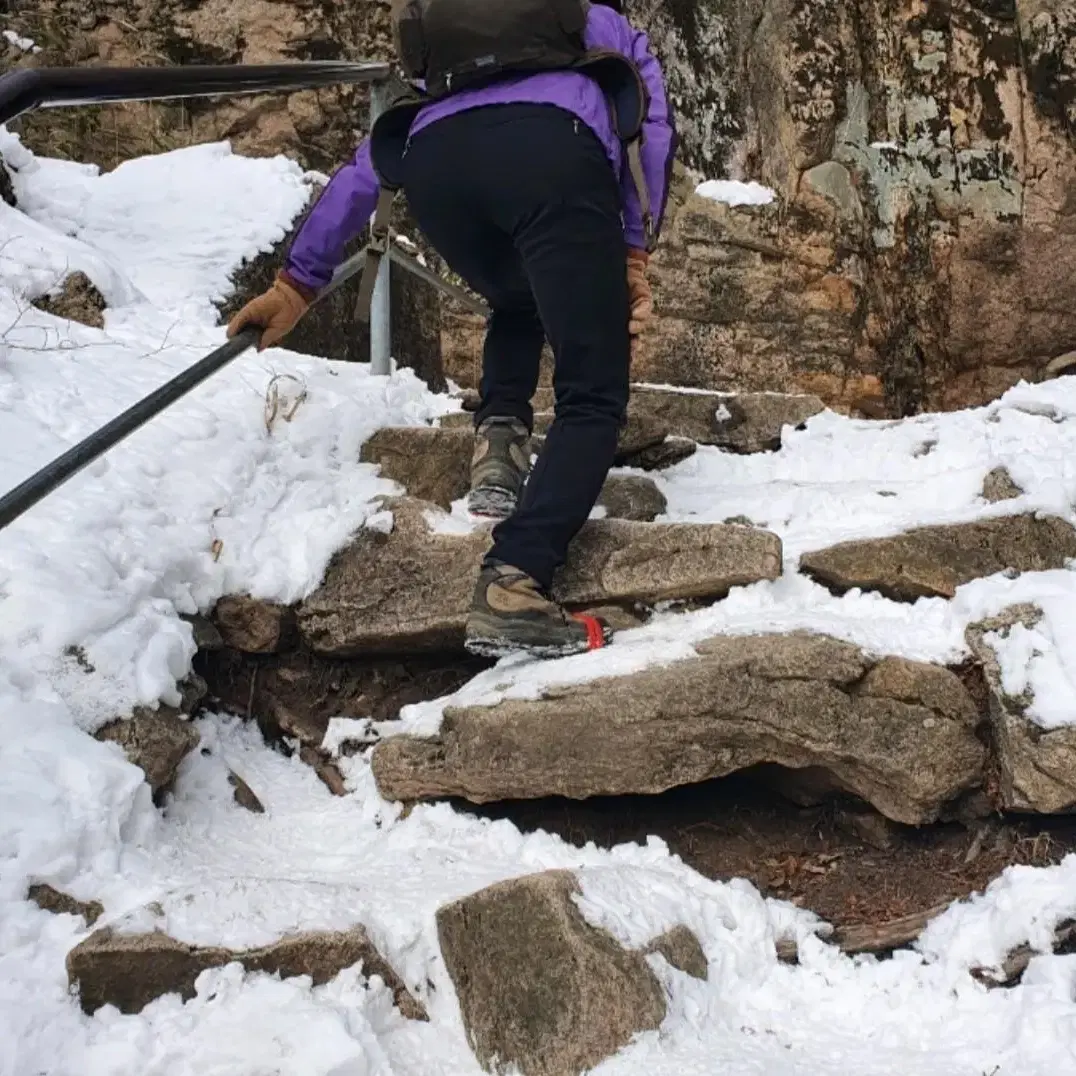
40	484
52	87
58	87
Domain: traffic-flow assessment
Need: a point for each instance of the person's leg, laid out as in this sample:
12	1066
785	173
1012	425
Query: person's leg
573	251
441	193
534	174
511	357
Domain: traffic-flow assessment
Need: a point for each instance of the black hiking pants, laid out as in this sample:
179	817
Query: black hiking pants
522	202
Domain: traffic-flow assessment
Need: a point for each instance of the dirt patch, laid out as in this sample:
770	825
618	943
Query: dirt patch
847	864
296	693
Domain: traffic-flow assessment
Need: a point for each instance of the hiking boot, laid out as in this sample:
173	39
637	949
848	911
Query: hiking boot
511	613
499	467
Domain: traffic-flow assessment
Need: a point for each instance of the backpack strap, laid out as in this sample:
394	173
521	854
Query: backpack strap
629	103
638	177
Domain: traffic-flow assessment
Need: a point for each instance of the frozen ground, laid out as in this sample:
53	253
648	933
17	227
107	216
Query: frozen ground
207	500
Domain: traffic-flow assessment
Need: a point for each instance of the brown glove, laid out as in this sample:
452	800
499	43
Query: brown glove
276	311
642	301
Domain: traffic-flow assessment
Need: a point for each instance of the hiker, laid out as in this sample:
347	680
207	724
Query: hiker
522	183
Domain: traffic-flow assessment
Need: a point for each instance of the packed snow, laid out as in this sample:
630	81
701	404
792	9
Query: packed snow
212	497
735	192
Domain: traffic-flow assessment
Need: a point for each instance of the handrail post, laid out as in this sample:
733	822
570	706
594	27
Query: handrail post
380	306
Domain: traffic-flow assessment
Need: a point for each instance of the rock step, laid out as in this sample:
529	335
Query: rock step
737	421
899	734
539	988
131	970
154	741
434	464
931	562
1037	766
410	590
639	433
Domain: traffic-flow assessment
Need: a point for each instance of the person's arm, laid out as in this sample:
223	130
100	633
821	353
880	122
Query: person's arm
340	214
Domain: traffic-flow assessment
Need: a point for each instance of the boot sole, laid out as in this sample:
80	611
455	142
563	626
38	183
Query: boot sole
500	645
503	648
491	502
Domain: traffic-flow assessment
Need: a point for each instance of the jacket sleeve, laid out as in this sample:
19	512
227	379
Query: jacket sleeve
658	148
340	214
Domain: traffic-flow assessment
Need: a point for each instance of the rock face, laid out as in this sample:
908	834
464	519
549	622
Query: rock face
538	986
410	590
431	463
7	188
899	734
642	430
924	161
737	421
155	741
671	451
77	299
920	245
131	970
317	127
1037	765
244	795
934	561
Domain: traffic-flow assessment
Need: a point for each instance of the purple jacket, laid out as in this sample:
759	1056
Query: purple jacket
347	203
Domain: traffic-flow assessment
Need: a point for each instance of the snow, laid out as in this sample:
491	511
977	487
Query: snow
24	44
210	498
733	192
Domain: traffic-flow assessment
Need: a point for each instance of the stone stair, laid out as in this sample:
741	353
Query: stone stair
385	628
811	714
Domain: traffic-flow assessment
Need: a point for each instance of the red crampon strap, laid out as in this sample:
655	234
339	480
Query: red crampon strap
595	630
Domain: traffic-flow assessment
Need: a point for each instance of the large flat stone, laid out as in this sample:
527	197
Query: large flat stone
1037	765
900	734
933	561
538	986
131	970
740	422
410	590
434	464
642	429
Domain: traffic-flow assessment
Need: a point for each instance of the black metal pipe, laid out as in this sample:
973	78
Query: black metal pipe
38	486
56	87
